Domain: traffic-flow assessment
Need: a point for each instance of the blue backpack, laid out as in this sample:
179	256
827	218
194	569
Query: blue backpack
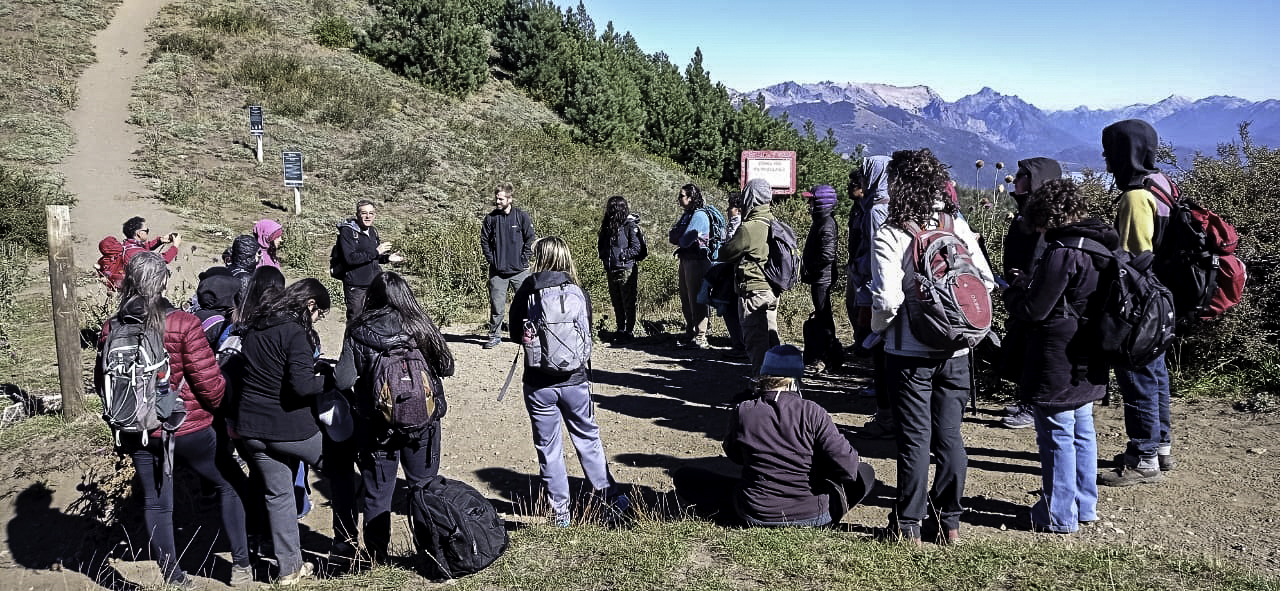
719	233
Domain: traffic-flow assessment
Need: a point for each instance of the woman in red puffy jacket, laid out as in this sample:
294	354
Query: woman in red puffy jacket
194	374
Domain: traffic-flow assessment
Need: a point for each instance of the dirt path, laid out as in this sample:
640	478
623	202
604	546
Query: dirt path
99	170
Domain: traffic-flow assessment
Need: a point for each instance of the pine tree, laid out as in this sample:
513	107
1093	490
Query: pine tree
431	42
702	148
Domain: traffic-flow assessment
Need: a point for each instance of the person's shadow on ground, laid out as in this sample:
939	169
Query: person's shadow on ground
41	537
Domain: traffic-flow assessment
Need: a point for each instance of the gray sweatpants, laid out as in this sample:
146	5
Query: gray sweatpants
498	298
547	406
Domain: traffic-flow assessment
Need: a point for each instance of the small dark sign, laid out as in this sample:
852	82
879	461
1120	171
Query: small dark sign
292	169
255	121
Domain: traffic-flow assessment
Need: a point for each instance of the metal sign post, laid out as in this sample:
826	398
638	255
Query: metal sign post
256	129
293	177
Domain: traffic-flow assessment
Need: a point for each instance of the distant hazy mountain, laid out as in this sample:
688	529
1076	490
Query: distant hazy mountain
996	127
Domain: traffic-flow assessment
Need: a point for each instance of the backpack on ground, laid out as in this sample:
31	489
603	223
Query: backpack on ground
719	232
557	332
1194	256
1136	319
782	268
456	531
405	390
135	392
948	306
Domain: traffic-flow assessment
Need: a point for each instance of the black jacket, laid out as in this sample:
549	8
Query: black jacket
279	382
216	295
507	241
520	310
1022	243
1060	368
359	251
620	250
818	262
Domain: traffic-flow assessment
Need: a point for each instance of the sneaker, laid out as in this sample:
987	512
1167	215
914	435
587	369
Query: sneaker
1167	462
881	426
294	578
560	520
494	341
1127	475
1019	420
241	575
180	580
868	392
815	367
700	343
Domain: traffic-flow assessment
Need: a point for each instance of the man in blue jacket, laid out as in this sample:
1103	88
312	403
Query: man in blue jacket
507	241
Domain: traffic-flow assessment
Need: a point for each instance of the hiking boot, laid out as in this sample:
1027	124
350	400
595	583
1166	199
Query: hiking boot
1127	475
304	572
815	367
1167	462
494	341
881	426
1022	419
241	575
180	580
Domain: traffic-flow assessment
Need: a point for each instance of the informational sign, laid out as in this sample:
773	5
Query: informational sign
776	166
255	121
292	169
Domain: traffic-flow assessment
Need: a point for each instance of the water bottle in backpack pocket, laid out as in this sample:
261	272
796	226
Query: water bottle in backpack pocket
557	332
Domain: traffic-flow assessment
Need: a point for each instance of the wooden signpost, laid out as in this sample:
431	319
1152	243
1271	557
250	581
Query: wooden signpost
256	129
776	166
66	316
293	177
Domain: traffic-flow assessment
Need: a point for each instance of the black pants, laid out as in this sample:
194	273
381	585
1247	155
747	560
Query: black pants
340	471
419	455
354	296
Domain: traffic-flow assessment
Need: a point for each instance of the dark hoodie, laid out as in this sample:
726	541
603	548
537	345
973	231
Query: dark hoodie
359	249
216	295
620	250
1129	148
1059	371
865	217
520	310
1023	244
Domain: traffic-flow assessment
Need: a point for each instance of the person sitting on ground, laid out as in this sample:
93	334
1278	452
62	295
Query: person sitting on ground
619	244
137	239
797	469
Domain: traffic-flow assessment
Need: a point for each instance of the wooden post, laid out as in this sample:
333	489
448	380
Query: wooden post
66	316
259	149
297	201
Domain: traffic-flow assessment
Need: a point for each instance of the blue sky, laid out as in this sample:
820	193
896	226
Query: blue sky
1052	54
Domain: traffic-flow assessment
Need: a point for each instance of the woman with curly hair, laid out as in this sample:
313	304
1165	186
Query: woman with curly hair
620	246
691	235
928	386
1060	377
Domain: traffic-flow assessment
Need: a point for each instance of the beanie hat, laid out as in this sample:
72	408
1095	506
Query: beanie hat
824	197
784	361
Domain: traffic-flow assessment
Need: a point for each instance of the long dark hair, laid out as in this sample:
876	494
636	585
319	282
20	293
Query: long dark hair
615	214
292	301
695	196
253	295
917	179
389	291
145	277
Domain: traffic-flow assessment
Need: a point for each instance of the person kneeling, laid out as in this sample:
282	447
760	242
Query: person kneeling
797	469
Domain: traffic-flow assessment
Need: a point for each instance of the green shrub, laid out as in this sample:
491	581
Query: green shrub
293	86
297	248
22	219
431	42
333	31
385	161
235	21
179	191
196	45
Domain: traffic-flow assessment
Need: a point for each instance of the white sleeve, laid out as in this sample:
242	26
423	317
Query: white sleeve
888	250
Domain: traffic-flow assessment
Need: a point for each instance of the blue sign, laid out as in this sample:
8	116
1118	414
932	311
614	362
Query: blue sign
292	169
255	121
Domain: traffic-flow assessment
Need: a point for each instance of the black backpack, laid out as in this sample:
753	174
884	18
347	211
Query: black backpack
337	266
782	269
456	531
1136	319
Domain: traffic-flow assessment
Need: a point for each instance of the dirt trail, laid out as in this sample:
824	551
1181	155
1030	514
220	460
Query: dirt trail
99	170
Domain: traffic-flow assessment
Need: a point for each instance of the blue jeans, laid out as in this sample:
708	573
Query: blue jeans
572	404
1146	411
1068	468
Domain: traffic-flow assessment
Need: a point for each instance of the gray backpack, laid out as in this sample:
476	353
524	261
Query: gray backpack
557	331
135	392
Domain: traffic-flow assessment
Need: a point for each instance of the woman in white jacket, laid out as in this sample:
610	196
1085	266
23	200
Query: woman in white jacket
928	386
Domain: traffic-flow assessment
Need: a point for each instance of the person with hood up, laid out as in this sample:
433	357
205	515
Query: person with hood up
552	398
1129	148
362	253
691	235
869	184
818	263
216	299
927	386
1062	376
619	245
392	319
269	234
1023	245
748	250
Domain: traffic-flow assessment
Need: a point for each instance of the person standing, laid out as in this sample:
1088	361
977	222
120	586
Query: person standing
691	235
748	250
819	269
1129	148
928	386
362	253
1062	375
620	245
507	241
869	184
270	235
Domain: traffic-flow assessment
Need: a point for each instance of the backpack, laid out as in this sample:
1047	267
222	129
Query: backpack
948	306
782	268
405	391
719	233
135	392
110	265
644	245
337	265
1136	319
456	531
557	332
1194	256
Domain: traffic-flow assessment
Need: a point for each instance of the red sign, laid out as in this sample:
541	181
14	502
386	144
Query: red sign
776	166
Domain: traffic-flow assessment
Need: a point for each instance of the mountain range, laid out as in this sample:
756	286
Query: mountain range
992	126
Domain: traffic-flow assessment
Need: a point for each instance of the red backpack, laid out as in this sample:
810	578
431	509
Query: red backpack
110	265
1194	256
948	306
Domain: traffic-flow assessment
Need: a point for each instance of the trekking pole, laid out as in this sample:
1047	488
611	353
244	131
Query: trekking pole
511	373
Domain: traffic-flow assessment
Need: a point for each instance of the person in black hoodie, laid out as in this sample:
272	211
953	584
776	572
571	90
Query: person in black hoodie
216	296
1062	376
274	415
620	244
1023	245
362	253
392	319
818	269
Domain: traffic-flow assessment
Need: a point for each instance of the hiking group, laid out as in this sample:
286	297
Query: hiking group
243	372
